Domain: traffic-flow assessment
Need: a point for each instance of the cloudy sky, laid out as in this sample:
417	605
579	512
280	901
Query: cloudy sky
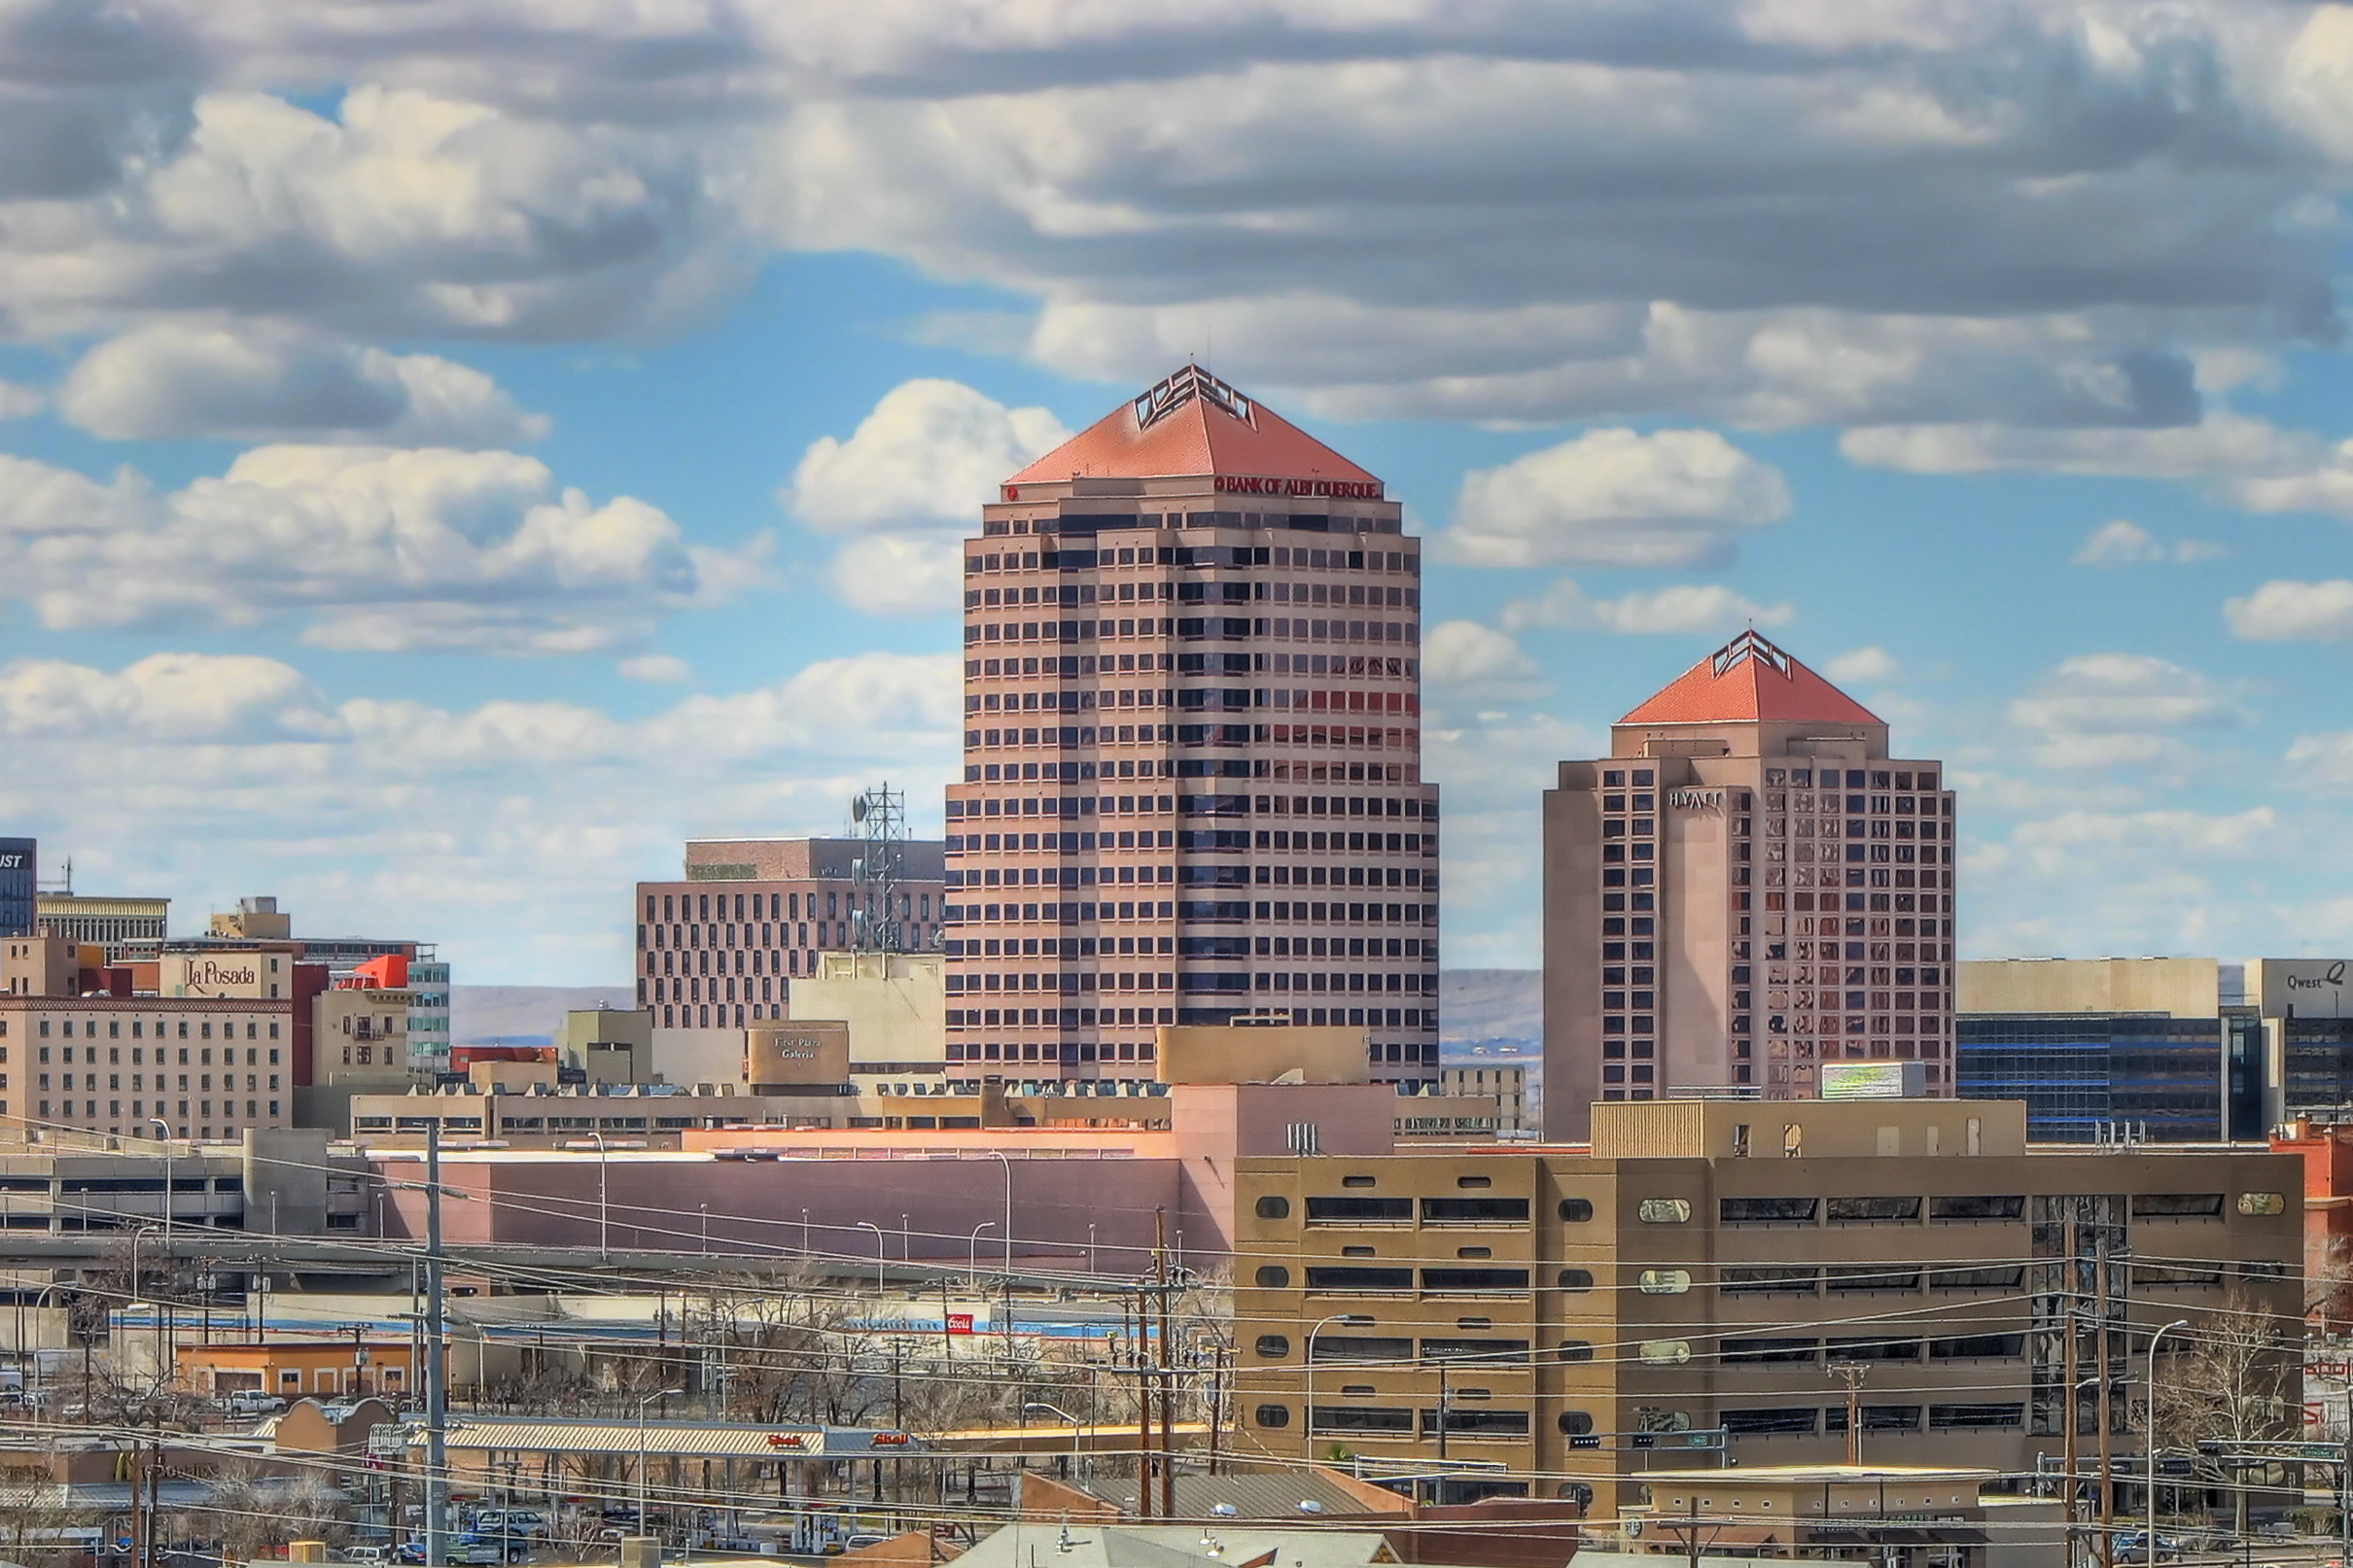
451	451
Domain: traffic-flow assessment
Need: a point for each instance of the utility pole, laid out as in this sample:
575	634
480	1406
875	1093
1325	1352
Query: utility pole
1690	1546
1168	1368
1442	1396
2067	1422
1144	1409
437	1371
2099	1283
1852	1373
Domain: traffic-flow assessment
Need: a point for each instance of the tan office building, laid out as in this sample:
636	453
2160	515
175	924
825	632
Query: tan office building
1709	1268
1748	886
1192	787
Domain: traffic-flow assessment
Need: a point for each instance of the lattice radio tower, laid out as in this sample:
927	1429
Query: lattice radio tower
878	921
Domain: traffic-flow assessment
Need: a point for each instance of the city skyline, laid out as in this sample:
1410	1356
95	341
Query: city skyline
432	491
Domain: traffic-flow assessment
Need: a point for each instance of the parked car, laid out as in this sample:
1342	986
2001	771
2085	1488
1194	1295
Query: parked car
409	1552
367	1554
476	1548
2131	1547
516	1521
254	1404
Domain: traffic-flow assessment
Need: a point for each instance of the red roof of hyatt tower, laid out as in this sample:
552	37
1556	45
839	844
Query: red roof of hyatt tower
1746	680
1192	424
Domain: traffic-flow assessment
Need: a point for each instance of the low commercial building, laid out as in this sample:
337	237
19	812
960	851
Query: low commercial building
1506	1082
348	1366
290	1182
1684	1294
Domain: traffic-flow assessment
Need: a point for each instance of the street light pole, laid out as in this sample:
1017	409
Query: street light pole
160	1357
972	1252
1077	1432
604	1250
1307	1417
2148	1439
147	1230
879	1259
1006	1161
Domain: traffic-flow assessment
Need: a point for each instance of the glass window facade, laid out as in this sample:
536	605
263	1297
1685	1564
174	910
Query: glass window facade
2079	1072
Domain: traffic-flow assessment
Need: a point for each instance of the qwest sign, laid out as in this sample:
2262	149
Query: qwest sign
11	863
1696	799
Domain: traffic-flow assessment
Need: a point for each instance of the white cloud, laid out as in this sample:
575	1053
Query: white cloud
1863	665
1680	608
165	697
1675	498
2122	542
658	669
910	481
1467	656
376	548
2285	612
18	402
250	381
2117	709
209	777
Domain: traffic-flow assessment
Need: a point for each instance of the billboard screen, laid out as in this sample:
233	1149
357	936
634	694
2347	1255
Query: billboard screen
1873	1080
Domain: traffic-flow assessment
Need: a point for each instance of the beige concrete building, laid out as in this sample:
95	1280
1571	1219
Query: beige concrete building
1683	1296
612	1045
895	1007
1749	884
1504	1081
721	946
1192	787
2176	987
113	923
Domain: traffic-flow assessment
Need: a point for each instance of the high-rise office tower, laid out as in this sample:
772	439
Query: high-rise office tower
1746	887
1192	789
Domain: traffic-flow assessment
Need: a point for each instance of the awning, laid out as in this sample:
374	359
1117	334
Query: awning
1897	1535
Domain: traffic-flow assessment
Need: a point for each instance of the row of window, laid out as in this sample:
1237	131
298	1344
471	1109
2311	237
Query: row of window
1194	982
1085	947
138	1081
1192	839
1071	807
1282	770
1192	555
710	910
1194	628
139	1055
1071	1018
1080	666
113	1107
1217	910
1161	591
1854	779
65	1030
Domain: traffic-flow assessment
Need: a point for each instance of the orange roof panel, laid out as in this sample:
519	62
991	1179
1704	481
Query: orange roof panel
1747	680
1192	424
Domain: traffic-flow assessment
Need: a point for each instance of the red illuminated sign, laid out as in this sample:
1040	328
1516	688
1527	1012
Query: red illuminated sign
960	1322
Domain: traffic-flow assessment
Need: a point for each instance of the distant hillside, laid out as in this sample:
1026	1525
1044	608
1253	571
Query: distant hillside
1490	1005
1474	1006
478	1013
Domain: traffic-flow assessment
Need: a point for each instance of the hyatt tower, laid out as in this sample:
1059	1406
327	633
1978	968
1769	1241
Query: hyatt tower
1192	788
1746	887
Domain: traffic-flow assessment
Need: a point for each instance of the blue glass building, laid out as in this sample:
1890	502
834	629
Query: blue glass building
2185	1080
20	879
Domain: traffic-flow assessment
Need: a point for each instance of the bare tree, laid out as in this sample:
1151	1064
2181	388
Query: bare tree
35	1516
254	1513
2240	1380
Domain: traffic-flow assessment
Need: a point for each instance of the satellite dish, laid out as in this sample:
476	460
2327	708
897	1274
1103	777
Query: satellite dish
857	808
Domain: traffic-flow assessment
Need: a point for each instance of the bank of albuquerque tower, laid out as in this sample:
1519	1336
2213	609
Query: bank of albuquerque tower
1192	787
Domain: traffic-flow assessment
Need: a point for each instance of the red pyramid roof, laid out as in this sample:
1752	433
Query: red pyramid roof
1746	680
1192	424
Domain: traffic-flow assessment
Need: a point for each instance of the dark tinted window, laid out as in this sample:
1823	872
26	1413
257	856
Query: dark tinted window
1462	1419
1359	1208
1457	1210
1771	1418
1274	1208
1978	1347
1360	1347
1977	1415
2176	1206
1274	1415
1274	1344
2003	1206
1771	1348
1577	1210
1343	1277
1873	1210
1770	1281
1768	1210
1474	1279
1875	1349
1576	1423
1488	1350
1361	1419
1871	1278
1997	1276
1272	1276
1575	1279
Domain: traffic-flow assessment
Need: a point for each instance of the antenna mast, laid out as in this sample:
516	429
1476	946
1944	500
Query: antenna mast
878	922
